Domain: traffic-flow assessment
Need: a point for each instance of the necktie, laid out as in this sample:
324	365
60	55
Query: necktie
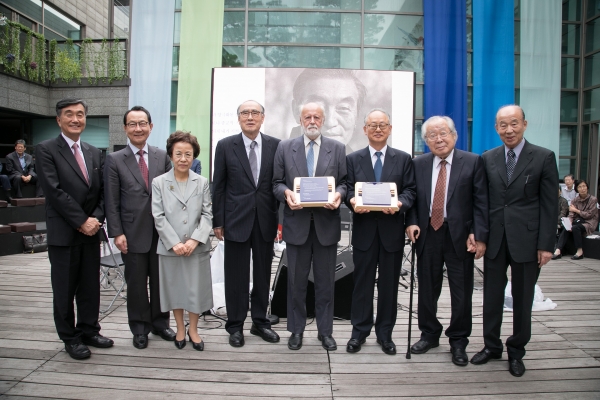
439	198
510	164
143	167
80	162
378	167
310	159
253	161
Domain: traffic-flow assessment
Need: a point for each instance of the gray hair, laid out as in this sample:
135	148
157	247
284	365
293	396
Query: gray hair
318	103
512	105
254	101
437	118
371	111
20	141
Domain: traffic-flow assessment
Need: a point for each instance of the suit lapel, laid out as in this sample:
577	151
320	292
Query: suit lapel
67	153
264	157
171	185
240	151
152	166
89	162
134	167
389	164
425	176
524	158
299	156
367	165
457	164
500	164
17	162
324	158
191	186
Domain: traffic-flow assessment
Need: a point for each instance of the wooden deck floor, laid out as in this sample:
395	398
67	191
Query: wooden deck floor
563	357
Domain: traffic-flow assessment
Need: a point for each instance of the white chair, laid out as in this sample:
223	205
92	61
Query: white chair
112	273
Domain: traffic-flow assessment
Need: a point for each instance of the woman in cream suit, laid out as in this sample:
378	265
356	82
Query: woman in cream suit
181	206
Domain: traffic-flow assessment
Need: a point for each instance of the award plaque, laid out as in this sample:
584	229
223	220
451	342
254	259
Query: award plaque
375	196
314	192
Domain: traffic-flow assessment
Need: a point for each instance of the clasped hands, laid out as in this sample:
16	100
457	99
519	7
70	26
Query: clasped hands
90	227
25	178
185	249
290	199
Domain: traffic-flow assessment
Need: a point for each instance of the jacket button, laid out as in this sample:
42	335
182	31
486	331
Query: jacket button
185	221
506	205
183	208
185	235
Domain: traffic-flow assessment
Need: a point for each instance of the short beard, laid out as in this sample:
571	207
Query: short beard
311	135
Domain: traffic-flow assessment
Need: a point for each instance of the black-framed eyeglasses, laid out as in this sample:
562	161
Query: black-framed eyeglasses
141	124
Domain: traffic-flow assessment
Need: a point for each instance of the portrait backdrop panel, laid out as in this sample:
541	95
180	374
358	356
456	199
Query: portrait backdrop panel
347	95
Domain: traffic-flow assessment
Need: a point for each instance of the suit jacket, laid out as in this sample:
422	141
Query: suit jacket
526	208
69	199
181	217
290	162
128	202
13	165
397	168
236	198
466	202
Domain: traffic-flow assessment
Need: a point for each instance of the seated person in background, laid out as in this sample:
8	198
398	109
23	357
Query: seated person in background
5	183
196	166
569	192
563	210
19	168
584	219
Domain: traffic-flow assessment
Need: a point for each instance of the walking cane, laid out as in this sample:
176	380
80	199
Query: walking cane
412	285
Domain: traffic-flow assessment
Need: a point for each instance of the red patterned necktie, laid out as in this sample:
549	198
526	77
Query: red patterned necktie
437	209
143	167
80	162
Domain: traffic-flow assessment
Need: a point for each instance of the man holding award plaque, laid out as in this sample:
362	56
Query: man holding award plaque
378	236
450	226
311	220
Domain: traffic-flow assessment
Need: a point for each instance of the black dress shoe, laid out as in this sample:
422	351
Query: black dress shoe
180	344
140	341
387	346
423	346
78	351
484	356
236	339
516	367
295	341
267	334
196	346
556	256
353	345
97	341
459	356
328	342
575	257
167	334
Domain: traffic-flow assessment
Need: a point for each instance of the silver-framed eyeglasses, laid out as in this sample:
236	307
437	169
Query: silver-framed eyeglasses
382	126
247	113
141	124
434	136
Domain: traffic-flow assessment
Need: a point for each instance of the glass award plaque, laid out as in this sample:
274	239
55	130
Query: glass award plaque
375	196
314	192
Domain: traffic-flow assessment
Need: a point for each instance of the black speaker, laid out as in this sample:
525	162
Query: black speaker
344	286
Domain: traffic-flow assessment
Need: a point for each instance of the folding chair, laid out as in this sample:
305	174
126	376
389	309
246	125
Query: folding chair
112	274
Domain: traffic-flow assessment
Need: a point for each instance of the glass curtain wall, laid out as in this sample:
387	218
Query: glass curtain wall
41	17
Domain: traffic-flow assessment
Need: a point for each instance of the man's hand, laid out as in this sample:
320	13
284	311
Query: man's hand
391	211
180	249
121	243
90	227
25	178
337	200
471	245
353	204
413	232
290	198
543	257
190	246
481	246
219	232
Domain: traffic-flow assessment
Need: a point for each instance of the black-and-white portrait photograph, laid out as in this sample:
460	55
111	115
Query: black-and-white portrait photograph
346	95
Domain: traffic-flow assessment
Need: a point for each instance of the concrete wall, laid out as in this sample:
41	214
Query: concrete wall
91	13
113	102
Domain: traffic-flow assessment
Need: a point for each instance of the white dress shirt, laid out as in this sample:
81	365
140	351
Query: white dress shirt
517	151
71	143
257	149
374	157
137	156
434	177
316	148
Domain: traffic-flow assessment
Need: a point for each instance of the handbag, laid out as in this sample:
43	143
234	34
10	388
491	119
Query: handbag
35	243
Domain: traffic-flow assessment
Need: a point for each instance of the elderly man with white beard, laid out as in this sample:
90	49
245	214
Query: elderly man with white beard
311	234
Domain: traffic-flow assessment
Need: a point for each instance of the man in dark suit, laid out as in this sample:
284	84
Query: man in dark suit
450	226
245	215
522	181
20	171
128	175
311	234
378	238
70	172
